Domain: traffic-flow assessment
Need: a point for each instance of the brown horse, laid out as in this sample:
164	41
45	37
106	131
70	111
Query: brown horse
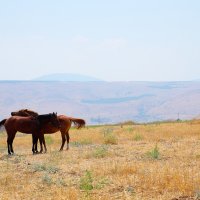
65	125
28	125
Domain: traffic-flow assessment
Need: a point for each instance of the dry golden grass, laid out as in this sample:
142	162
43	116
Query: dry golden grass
94	168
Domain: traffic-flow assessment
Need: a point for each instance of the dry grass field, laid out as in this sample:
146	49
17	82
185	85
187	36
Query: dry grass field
155	161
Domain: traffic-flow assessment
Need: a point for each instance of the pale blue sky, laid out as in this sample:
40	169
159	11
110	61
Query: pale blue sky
114	40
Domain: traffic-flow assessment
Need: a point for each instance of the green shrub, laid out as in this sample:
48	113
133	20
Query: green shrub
130	129
137	137
86	182
44	167
47	179
107	131
110	139
154	153
100	152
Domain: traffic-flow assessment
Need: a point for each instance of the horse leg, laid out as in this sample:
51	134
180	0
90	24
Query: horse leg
11	143
34	144
10	138
42	141
41	146
8	145
33	140
63	140
67	136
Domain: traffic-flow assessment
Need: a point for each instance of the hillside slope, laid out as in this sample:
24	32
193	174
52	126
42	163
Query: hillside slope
104	102
66	77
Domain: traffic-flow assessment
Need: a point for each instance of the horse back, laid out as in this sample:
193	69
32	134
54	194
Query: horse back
22	124
67	121
64	120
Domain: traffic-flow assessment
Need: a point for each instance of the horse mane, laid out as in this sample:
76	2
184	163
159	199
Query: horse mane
29	112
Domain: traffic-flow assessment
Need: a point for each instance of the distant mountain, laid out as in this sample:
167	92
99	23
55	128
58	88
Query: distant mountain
66	77
103	102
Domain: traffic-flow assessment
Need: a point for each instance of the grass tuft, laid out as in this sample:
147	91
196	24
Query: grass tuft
47	179
130	129
137	137
86	181
110	139
44	167
100	152
154	153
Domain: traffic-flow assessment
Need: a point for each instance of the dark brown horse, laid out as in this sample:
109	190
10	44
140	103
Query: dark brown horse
28	125
65	125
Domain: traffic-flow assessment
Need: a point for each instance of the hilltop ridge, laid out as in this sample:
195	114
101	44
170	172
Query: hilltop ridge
104	102
66	77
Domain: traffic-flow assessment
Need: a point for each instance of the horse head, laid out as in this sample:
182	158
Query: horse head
24	113
54	120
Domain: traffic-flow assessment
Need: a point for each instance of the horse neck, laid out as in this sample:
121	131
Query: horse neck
44	118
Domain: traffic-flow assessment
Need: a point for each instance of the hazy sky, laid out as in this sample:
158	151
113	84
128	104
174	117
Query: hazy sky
114	40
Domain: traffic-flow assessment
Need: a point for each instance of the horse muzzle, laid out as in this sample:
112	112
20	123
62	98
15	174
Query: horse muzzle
13	113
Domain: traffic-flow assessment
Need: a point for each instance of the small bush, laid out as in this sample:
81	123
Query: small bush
110	139
137	137
86	182
100	152
43	167
47	179
154	153
130	129
39	167
107	131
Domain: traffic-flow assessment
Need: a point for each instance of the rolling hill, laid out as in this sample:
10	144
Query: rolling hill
103	102
66	77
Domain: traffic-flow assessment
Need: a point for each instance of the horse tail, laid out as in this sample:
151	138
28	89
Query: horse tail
2	122
79	123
